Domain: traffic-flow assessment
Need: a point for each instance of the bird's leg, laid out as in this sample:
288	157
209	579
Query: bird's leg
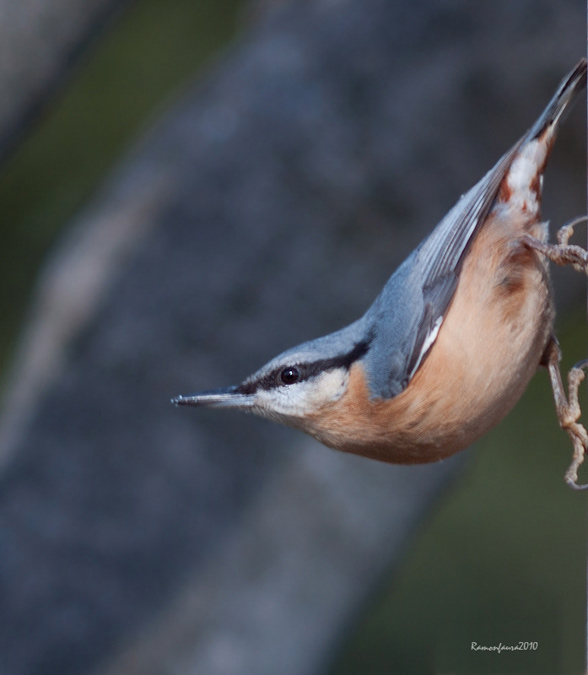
562	253
568	408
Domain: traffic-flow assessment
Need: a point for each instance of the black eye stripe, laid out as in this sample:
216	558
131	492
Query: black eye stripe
306	370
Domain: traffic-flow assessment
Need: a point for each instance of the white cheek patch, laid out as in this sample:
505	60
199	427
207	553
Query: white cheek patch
303	398
522	177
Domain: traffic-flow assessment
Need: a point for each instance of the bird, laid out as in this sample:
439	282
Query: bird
453	339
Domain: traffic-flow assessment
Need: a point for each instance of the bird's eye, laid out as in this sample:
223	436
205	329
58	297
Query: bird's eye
290	375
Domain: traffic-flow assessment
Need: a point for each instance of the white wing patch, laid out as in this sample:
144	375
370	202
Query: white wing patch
427	344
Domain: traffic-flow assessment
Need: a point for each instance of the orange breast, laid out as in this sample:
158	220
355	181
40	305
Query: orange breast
489	346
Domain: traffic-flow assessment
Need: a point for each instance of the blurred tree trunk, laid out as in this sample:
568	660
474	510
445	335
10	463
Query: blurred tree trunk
268	206
40	42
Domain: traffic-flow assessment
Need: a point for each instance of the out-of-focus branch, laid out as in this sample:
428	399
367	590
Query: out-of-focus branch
40	43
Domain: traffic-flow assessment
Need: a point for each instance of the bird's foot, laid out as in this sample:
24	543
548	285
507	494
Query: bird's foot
568	409
562	253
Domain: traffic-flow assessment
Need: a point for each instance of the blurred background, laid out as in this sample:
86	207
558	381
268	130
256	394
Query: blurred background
188	188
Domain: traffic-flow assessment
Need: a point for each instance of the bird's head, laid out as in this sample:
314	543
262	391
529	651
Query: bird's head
297	384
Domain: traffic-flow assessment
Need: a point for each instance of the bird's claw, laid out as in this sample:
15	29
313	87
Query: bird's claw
562	253
576	431
568	409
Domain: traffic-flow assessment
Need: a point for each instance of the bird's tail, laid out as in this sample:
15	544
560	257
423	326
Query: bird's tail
521	184
565	94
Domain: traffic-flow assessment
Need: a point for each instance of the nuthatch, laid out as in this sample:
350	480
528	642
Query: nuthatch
453	339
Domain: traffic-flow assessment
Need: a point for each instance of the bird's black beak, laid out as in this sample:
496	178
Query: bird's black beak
226	397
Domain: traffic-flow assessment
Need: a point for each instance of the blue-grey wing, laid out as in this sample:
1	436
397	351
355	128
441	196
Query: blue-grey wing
409	312
441	255
410	309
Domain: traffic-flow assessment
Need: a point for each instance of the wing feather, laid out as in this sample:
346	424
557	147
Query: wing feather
422	288
441	255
